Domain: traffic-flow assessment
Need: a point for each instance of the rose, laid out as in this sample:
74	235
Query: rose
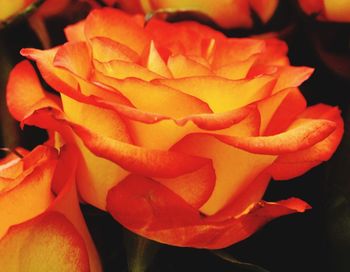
41	230
227	14
9	8
328	10
180	129
48	8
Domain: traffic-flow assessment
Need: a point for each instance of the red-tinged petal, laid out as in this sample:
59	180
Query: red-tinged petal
195	188
163	134
244	201
37	183
95	175
151	210
90	116
312	6
155	98
280	110
117	26
305	134
46	243
148	204
223	94
153	61
184	38
294	164
131	6
119	69
237	69
181	66
75	32
291	76
337	11
264	8
218	121
232	50
67	202
105	50
24	92
67	83
154	163
74	57
275	52
231	178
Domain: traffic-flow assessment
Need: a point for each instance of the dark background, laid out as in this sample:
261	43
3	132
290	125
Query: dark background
318	240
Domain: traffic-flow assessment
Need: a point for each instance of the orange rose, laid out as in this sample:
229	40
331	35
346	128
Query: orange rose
227	14
10	8
42	230
14	7
180	129
329	10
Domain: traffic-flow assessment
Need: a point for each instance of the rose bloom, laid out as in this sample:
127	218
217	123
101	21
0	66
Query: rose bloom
42	229
14	7
327	10
179	128
226	13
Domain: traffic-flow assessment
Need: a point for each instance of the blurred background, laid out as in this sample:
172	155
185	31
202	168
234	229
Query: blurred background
318	240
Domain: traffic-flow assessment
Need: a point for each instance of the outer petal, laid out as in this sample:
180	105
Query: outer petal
75	32
37	183
305	134
294	164
46	243
231	178
149	209
155	163
337	11
24	92
280	110
125	29
264	8
67	202
312	6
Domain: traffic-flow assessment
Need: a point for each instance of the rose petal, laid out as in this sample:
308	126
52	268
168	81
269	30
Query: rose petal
154	98
153	61
223	94
75	32
75	57
307	133
37	183
46	243
151	210
181	66
280	110
265	9
297	163
181	38
67	202
147	162
125	29
105	50
24	92
231	178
